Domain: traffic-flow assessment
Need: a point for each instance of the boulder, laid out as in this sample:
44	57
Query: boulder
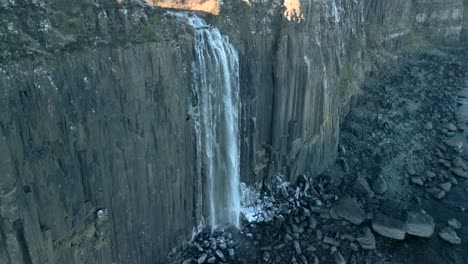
430	174
389	227
362	186
331	241
354	247
339	259
379	185
348	209
454	143
419	224
454	223
451	127
411	170
417	181
449	235
446	186
436	192
202	259
428	126
460	173
220	255
460	163
393	208
297	247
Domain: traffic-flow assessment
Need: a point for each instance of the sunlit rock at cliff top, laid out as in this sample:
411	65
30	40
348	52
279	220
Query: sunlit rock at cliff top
292	7
293	10
209	6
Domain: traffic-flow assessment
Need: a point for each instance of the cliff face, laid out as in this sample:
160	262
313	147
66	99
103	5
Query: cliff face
97	147
465	21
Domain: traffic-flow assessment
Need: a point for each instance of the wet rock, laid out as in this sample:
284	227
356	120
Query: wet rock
428	126
319	235
284	192
333	214
451	127
316	260
297	247
454	143
211	260
389	227
202	259
460	163
379	185
393	208
445	186
348	237
362	186
354	247
220	255
312	222
344	165
348	209
419	224
430	174
331	241
453	180
198	247
417	181
366	239
266	256
232	253
436	192
339	259
449	235
454	223
460	173
411	170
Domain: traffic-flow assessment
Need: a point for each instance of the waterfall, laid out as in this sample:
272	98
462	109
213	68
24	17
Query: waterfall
216	116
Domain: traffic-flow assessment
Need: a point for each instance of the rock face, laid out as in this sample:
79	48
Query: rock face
97	145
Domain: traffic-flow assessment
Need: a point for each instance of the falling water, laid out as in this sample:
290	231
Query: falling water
216	83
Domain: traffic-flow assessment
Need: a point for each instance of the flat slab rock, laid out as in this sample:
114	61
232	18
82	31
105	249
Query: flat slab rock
420	224
348	209
389	227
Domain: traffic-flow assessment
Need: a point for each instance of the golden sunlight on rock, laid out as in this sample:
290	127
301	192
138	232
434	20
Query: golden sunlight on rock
293	10
209	6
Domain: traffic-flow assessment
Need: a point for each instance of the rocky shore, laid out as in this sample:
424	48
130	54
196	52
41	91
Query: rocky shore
399	146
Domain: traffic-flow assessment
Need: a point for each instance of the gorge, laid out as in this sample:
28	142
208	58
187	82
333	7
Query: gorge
124	125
